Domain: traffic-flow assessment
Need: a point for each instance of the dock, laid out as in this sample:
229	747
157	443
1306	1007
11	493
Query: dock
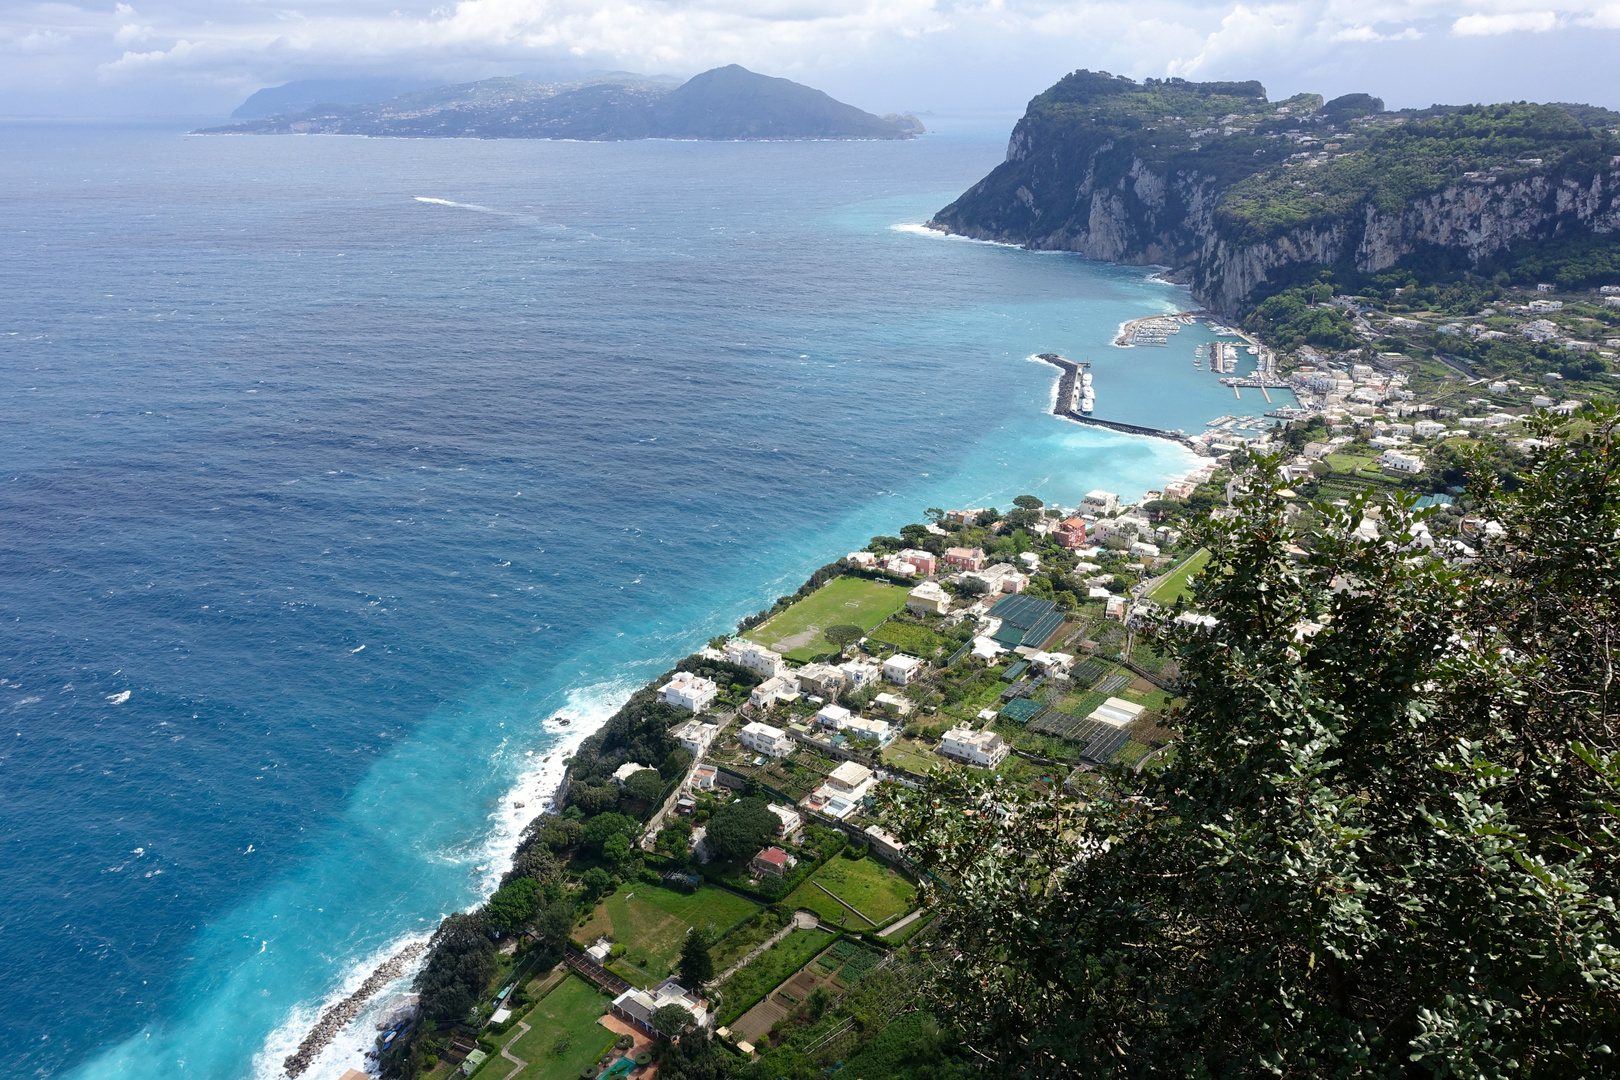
1070	373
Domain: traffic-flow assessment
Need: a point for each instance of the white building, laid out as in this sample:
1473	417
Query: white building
688	691
901	669
1543	306
695	736
755	658
1427	429
928	597
1145	550
833	716
636	1007
984	749
626	771
859	673
892	701
1399	462
772	690
791	821
823	680
850	777
881	730
1099	502
765	739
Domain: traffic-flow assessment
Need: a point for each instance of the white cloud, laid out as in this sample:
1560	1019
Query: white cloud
1000	49
1505	23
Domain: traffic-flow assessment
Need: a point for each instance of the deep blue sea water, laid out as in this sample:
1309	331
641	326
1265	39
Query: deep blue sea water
330	469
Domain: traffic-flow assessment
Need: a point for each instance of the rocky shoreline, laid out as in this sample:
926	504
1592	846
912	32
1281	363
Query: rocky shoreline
337	1018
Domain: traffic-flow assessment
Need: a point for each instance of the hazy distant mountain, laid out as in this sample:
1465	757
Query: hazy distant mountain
300	96
726	103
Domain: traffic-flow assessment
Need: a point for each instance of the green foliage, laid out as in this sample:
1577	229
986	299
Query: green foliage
1386	847
459	968
696	965
597	882
605	826
513	904
1288	320
843	635
671	1020
740	828
646	785
1398	163
695	1057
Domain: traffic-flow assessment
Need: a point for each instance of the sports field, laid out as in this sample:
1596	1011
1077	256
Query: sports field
1176	585
563	1035
873	889
796	632
651	921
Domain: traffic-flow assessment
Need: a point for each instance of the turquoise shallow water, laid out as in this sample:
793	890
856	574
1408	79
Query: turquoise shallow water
351	492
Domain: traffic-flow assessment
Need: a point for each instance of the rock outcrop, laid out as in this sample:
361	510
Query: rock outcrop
1216	183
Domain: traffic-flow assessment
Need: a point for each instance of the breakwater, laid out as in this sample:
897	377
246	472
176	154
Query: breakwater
336	1018
1070	372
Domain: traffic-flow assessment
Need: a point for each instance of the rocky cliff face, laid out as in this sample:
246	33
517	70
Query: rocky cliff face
1476	220
1130	174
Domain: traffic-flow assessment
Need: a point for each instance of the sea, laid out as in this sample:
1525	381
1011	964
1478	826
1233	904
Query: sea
346	484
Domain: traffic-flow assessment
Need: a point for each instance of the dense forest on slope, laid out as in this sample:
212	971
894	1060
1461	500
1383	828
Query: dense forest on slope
1241	196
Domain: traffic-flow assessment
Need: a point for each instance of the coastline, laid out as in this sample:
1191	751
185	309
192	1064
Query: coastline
335	1051
540	787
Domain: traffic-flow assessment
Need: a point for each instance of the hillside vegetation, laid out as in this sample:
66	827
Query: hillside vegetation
1241	196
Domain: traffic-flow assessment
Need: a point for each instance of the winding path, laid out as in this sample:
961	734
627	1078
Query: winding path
523	1029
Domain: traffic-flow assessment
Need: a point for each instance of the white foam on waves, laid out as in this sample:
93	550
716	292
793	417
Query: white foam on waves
587	708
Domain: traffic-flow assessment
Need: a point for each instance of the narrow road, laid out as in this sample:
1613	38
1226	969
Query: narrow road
523	1029
889	931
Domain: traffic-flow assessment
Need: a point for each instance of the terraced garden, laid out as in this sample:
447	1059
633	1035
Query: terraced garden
873	889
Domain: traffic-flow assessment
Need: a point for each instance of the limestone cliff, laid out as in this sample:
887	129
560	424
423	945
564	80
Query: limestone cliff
1238	195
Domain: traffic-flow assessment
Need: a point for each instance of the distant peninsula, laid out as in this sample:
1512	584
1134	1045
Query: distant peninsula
1242	197
726	103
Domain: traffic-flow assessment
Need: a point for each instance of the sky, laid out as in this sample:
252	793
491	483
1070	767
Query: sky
161	58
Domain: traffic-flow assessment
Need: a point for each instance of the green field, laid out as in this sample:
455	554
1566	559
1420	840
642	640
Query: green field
651	921
796	632
563	1035
768	970
1176	585
910	755
871	887
915	640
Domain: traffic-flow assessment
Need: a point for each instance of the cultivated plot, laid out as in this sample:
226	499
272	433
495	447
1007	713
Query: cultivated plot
875	892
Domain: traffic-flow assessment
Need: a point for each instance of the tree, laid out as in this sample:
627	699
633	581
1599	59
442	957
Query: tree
843	635
598	883
740	828
459	968
646	785
1028	502
617	850
513	904
1384	846
671	1021
603	826
696	965
693	1058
